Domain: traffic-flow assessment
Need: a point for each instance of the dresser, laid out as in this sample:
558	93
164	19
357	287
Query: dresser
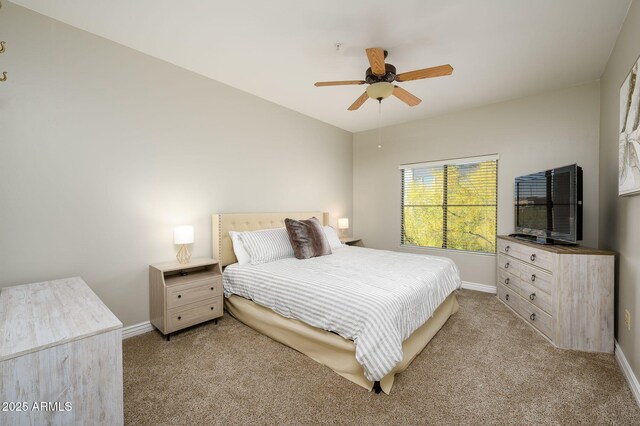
564	292
182	295
60	356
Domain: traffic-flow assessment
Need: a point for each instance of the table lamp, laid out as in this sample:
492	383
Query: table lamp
343	225
183	235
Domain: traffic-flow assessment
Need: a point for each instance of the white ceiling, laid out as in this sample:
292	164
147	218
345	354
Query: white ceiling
500	49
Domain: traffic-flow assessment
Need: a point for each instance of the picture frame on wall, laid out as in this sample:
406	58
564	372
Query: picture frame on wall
629	136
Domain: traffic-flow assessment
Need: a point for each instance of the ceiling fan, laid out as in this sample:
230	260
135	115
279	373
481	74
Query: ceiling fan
380	78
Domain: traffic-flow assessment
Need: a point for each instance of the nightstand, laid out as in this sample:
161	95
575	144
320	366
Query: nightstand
184	295
352	241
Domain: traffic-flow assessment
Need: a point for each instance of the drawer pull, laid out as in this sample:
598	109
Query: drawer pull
506	297
212	308
532	317
211	288
179	318
533	257
506	249
506	265
506	281
179	296
532	296
533	277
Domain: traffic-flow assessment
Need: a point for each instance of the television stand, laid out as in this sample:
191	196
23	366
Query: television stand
541	240
566	293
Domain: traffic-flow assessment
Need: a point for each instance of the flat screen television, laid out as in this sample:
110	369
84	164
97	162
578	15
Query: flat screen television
549	205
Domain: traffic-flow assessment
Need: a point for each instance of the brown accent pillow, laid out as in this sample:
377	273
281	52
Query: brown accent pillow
307	238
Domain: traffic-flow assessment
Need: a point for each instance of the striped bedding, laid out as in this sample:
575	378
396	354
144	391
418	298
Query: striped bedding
375	298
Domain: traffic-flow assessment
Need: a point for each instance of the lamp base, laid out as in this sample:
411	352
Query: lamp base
184	255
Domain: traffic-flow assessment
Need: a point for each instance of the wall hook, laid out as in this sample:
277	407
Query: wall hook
4	77
1	46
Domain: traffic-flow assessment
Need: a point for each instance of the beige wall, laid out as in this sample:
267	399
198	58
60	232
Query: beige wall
530	134
620	216
104	150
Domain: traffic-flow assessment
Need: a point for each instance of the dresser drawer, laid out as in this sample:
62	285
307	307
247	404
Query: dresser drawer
184	294
194	314
506	278
510	265
532	314
507	247
527	291
536	278
508	296
537	317
540	258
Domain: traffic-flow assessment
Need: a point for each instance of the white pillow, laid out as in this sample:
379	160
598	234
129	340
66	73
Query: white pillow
332	237
238	248
267	245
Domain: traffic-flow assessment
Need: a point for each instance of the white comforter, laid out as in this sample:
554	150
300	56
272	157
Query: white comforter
375	298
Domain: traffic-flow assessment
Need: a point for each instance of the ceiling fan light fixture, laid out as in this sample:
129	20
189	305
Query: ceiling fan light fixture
380	90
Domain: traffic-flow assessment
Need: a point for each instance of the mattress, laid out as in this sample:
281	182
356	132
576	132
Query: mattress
374	298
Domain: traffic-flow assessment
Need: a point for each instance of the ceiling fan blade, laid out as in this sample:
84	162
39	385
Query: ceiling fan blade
338	83
376	60
405	96
358	103
438	71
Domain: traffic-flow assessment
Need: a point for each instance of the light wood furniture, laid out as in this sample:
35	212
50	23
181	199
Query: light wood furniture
182	295
564	292
351	241
59	345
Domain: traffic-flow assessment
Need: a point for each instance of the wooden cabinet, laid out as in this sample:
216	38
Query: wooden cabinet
60	356
184	295
564	292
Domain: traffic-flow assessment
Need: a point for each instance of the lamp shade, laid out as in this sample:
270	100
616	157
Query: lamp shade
380	90
343	223
183	235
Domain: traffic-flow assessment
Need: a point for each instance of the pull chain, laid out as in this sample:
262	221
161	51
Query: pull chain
379	123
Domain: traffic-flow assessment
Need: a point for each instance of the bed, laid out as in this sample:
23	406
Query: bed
338	349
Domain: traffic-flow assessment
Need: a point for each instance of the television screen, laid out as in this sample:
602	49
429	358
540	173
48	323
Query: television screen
549	204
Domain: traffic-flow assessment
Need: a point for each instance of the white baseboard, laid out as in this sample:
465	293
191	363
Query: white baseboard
628	373
485	288
134	330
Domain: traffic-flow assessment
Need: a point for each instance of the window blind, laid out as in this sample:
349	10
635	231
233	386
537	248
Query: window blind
451	204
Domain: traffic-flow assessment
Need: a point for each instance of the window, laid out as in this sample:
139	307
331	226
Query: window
451	204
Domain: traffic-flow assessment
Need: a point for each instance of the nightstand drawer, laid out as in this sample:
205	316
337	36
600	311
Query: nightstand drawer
187	293
194	314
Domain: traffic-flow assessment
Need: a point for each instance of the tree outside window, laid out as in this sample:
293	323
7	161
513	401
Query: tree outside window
451	205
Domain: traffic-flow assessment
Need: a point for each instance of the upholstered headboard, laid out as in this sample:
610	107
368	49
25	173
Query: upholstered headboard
223	223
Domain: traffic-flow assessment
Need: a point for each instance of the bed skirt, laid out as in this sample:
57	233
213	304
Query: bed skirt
330	349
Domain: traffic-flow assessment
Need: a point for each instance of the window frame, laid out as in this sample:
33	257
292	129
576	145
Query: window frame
444	164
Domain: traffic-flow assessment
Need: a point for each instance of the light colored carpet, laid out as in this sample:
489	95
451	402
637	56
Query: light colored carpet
484	367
